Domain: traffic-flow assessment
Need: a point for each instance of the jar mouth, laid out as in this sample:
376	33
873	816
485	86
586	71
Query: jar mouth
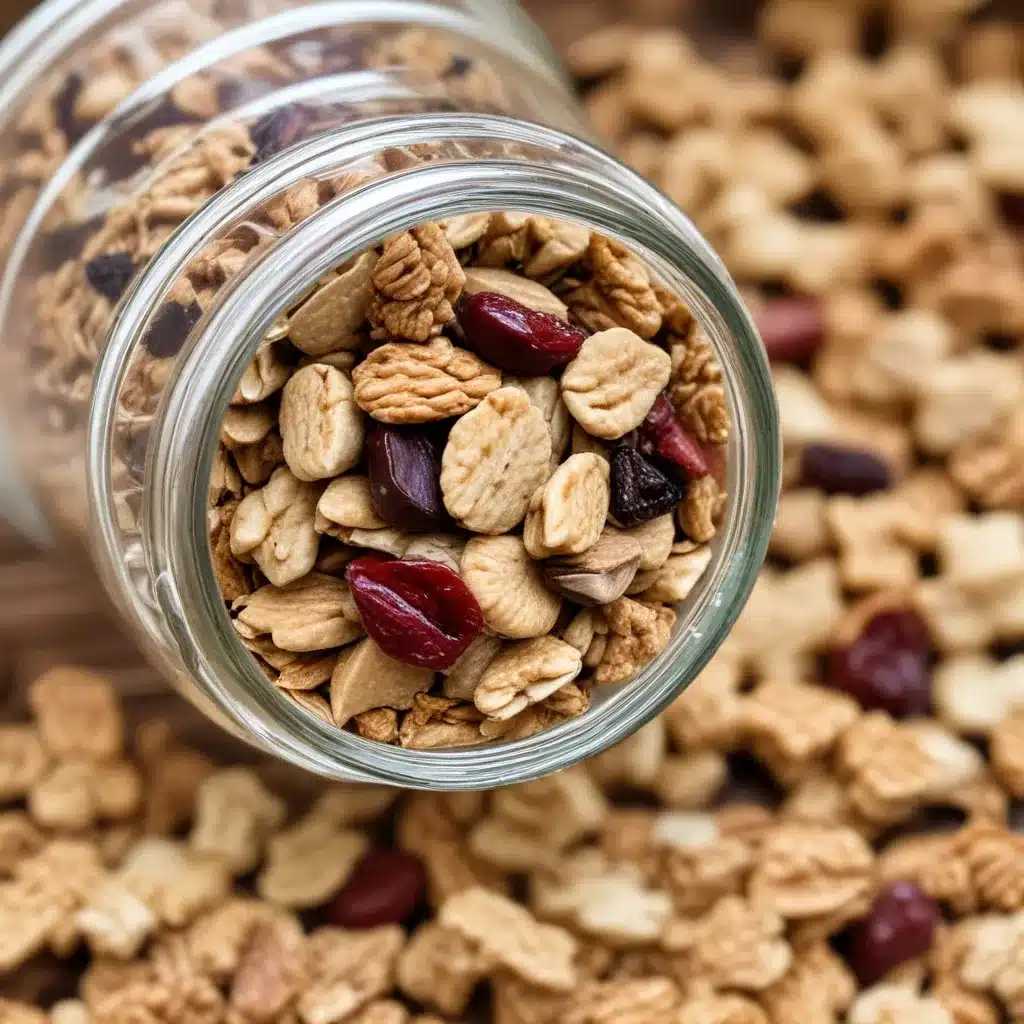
574	182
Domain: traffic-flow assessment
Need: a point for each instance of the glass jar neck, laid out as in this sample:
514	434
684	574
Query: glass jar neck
478	163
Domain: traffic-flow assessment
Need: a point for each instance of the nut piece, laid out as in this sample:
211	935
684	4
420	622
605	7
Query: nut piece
329	320
496	457
674	581
508	587
321	427
402	383
416	281
367	678
524	674
637	634
656	538
613	382
521	289
276	527
346	503
314	613
546	394
600	575
568	513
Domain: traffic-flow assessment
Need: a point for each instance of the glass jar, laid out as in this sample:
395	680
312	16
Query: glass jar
294	136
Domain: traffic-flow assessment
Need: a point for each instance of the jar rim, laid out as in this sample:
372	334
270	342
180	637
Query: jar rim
575	182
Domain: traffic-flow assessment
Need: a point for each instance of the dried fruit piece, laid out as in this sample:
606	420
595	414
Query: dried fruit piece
496	457
838	470
792	329
275	132
170	328
598	576
515	337
531	294
613	382
110	274
663	435
901	926
385	887
321	427
418	612
404	466
568	513
640	491
887	666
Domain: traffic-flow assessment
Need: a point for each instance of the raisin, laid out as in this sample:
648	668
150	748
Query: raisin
663	435
64	108
1011	206
110	274
418	612
170	328
900	926
275	132
515	338
838	470
640	491
385	887
404	466
888	666
792	329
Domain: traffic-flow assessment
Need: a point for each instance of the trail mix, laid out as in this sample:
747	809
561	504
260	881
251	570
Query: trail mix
488	454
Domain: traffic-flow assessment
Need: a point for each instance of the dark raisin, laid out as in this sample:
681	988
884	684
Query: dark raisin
170	328
900	926
1011	206
404	467
838	470
64	108
887	666
640	491
110	274
275	132
459	65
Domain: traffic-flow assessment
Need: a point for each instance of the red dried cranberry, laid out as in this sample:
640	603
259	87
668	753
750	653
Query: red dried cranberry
418	612
715	455
887	667
662	434
385	887
791	328
899	927
110	274
640	491
838	470
404	467
171	327
275	132
515	338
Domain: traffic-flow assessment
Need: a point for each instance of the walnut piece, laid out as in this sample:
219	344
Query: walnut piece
367	678
497	455
437	722
696	388
276	526
526	673
509	588
701	509
416	282
637	634
332	316
620	294
315	613
321	427
406	383
612	383
439	967
568	513
78	716
600	575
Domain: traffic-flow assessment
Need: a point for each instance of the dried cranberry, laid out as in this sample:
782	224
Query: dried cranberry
887	666
171	327
640	491
791	328
110	274
418	612
662	434
838	470
515	338
385	887
715	455
899	927
275	132
404	467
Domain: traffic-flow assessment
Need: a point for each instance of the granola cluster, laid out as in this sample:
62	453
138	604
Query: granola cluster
482	480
